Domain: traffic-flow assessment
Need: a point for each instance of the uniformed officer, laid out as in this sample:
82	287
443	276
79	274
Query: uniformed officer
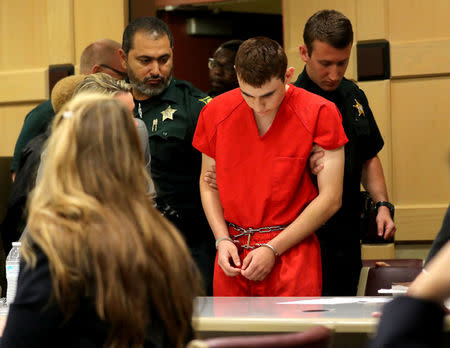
170	109
328	38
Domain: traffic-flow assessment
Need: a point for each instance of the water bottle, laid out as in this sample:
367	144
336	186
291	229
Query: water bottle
12	271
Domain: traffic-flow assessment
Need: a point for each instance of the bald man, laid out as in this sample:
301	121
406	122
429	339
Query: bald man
99	56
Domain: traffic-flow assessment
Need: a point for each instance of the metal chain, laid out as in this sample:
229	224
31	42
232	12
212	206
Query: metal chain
252	231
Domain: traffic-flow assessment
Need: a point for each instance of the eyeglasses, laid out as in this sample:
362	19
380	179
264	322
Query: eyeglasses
212	64
120	73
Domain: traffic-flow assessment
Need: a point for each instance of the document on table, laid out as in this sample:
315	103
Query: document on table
340	300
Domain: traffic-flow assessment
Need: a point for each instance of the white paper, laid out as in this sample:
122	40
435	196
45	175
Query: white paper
392	291
340	300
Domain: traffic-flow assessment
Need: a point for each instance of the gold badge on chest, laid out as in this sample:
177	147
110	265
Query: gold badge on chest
168	113
359	108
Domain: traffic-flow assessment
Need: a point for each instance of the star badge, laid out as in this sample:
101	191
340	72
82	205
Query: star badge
168	113
359	107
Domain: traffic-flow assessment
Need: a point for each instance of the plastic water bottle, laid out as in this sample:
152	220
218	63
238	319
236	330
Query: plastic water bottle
12	271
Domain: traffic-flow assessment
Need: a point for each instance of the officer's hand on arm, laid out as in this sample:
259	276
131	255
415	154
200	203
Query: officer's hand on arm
258	264
210	177
385	225
228	254
316	159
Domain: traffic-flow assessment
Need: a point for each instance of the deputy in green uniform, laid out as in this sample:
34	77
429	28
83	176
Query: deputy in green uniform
170	109
328	38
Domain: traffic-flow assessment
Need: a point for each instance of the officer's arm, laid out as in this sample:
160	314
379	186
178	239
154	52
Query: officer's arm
373	181
372	178
320	209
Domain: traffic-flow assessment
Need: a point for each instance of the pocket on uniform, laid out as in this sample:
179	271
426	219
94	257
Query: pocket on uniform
286	176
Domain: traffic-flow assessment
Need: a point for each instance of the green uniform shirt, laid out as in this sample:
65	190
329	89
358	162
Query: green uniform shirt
171	118
35	123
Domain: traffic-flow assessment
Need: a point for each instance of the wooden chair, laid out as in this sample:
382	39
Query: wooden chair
384	277
317	337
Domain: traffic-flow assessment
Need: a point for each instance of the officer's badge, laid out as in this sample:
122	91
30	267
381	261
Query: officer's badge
205	100
168	113
360	108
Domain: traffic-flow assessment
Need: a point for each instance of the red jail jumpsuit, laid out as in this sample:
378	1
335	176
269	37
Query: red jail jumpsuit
265	181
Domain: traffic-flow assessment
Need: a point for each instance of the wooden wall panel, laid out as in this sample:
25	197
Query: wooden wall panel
420	37
23	34
100	19
420	140
420	58
415	20
371	20
61	39
23	85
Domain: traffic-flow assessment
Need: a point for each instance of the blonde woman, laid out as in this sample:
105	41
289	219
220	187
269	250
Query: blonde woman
101	266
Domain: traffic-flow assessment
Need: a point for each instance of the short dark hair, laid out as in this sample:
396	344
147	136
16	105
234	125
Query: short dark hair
328	26
232	45
150	25
259	59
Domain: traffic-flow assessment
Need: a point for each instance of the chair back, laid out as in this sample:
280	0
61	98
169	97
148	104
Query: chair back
384	277
317	337
418	263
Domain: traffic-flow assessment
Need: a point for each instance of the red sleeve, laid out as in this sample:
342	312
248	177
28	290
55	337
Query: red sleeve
329	132
205	134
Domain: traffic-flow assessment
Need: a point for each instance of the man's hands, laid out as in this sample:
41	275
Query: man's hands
256	266
228	258
385	226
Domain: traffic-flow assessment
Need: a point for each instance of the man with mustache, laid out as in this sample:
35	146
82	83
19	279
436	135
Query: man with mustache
170	108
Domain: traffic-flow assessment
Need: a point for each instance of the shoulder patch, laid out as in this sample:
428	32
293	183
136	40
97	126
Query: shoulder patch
205	100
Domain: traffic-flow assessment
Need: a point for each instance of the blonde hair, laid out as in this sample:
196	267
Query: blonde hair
91	216
102	83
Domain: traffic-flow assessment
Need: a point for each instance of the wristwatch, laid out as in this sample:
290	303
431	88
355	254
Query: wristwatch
386	204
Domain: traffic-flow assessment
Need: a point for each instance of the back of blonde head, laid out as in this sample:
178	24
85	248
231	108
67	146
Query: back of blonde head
102	83
91	216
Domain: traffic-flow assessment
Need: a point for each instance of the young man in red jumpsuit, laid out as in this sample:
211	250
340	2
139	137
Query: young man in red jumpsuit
263	215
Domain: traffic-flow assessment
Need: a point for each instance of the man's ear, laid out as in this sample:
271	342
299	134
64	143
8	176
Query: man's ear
95	69
123	58
289	75
304	53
